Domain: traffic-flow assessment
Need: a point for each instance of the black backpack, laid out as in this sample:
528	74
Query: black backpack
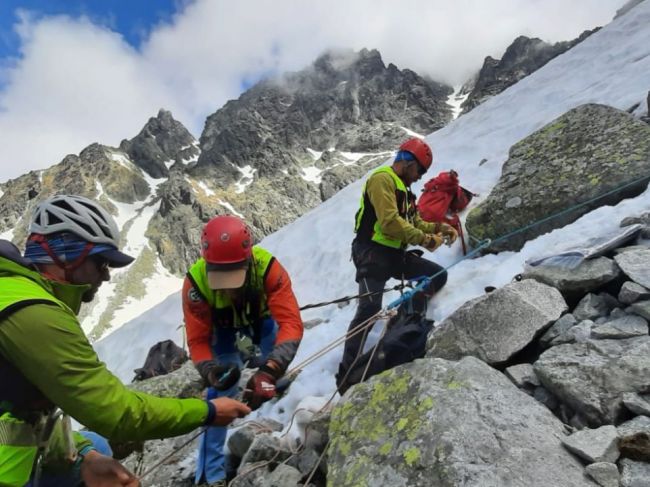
404	341
164	357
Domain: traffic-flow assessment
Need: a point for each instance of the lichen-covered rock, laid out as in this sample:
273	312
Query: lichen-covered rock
584	153
591	377
443	423
181	383
495	326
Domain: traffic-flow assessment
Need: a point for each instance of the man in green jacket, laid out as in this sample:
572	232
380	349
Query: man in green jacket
386	223
46	360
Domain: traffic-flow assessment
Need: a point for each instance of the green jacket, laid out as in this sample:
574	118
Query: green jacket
43	340
387	214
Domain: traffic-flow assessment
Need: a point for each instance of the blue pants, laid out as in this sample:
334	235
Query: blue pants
210	465
73	478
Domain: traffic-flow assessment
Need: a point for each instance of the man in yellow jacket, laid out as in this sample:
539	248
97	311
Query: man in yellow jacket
46	360
386	223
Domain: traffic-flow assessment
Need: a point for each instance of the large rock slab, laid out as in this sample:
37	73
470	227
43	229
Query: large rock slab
444	423
497	325
586	152
636	265
591	377
588	276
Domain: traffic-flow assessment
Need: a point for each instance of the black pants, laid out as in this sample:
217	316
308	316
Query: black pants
375	265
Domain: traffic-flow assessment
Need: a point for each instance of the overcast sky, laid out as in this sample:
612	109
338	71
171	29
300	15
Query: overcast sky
77	72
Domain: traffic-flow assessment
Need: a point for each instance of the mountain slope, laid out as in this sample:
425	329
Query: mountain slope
609	67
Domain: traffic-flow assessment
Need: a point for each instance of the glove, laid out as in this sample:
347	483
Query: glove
432	241
448	232
221	377
260	387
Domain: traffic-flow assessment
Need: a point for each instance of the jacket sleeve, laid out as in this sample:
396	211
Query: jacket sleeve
49	347
381	191
196	312
286	312
426	227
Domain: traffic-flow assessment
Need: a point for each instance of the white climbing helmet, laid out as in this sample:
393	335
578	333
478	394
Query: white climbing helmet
78	215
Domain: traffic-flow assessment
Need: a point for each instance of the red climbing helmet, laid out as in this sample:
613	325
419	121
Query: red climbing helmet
226	246
420	150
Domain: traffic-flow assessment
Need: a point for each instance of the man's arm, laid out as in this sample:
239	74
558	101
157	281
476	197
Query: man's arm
381	191
285	311
196	312
48	346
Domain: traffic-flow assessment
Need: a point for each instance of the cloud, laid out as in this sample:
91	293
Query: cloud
77	82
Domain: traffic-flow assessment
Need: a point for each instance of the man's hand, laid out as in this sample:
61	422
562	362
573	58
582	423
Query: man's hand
261	387
98	470
221	377
228	410
432	241
448	233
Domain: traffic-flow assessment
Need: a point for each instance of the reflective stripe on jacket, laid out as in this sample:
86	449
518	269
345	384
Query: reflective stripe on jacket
42	341
255	306
266	292
18	448
367	225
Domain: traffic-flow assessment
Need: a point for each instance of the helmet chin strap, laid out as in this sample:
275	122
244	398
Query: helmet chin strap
67	267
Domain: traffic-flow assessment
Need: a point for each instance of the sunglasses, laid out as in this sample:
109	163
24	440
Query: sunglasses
100	263
421	169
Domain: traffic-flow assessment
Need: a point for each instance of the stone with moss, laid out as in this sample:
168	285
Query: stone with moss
588	152
444	423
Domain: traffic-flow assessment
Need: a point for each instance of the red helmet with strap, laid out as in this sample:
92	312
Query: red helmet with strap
226	239
420	150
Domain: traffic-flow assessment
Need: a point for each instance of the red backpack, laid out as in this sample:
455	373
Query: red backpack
442	199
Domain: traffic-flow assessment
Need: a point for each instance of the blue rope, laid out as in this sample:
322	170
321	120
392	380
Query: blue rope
425	281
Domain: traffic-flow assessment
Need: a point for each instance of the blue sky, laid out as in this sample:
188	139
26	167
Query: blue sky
73	73
131	18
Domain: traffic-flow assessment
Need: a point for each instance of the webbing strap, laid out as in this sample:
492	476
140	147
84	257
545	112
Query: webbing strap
16	433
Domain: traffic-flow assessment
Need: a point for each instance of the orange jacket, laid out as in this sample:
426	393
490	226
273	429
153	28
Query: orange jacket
281	303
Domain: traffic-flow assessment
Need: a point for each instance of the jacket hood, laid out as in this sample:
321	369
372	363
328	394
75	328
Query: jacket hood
13	264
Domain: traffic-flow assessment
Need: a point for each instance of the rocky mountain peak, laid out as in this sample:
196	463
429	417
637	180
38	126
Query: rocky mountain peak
524	56
345	99
161	142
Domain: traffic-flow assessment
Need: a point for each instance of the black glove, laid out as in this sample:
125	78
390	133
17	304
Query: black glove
219	376
260	387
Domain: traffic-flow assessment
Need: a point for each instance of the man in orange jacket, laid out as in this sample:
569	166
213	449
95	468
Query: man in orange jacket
233	287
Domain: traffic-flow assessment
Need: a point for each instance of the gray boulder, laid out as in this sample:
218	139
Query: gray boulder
443	423
591	307
597	445
588	276
641	308
624	327
640	424
604	473
495	326
562	325
585	153
637	403
636	265
240	440
591	377
632	292
183	382
634	474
